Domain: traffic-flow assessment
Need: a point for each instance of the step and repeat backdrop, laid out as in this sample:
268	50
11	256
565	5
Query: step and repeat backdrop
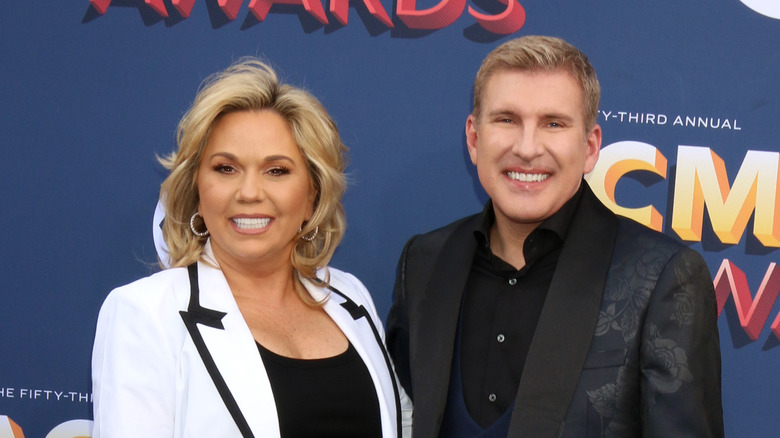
91	92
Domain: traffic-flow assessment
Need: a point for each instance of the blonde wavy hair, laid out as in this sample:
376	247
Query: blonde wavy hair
542	53
249	84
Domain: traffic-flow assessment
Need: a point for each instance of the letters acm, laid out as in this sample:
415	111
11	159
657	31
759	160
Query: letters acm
700	180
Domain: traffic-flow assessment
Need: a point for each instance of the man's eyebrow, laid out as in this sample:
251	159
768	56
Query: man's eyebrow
502	112
558	116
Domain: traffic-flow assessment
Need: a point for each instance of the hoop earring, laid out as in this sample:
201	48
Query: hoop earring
192	226
311	236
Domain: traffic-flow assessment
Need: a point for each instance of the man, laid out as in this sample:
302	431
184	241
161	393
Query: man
546	315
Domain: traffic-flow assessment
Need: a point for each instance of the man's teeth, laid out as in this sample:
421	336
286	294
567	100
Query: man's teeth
527	177
246	223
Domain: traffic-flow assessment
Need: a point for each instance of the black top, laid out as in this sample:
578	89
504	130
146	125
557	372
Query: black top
331	397
501	309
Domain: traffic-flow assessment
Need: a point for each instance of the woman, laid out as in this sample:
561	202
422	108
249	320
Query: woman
249	333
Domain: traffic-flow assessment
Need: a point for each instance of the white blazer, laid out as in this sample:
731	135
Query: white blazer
149	380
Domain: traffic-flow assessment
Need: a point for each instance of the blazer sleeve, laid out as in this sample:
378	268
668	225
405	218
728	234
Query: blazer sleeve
680	354
132	368
398	326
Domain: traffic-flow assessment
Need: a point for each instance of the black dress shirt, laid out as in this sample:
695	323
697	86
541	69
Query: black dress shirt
500	311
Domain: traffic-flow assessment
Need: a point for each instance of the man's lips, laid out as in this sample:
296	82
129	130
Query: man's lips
527	177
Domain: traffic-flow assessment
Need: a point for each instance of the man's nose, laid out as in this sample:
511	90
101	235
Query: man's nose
527	144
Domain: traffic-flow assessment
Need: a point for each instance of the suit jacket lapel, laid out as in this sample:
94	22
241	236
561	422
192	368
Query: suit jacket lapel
236	356
440	310
567	322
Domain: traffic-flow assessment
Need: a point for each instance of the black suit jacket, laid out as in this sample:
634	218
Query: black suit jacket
626	345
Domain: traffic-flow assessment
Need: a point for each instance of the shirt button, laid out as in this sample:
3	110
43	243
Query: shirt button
492	398
512	281
500	338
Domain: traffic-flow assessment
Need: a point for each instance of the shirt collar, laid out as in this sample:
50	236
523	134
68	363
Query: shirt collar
558	223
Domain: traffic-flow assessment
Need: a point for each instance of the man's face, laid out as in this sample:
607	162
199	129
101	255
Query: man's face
530	144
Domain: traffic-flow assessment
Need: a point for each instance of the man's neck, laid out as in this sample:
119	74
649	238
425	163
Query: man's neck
507	240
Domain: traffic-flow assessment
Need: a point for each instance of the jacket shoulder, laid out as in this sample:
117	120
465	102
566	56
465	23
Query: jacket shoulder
150	295
640	236
432	241
350	286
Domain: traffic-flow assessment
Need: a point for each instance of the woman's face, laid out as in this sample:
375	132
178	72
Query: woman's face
254	188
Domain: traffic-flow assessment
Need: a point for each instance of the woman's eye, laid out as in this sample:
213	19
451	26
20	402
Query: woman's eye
224	168
278	171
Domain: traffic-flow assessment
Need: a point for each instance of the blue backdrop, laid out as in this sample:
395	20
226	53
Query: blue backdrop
91	93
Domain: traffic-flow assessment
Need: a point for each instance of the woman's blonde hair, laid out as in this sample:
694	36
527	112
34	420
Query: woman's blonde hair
250	85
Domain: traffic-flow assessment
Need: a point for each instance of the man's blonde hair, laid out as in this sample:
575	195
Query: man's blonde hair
545	54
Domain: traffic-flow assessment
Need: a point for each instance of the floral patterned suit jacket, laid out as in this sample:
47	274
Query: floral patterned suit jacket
626	346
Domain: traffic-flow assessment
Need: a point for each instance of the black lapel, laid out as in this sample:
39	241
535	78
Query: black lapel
196	314
434	339
567	323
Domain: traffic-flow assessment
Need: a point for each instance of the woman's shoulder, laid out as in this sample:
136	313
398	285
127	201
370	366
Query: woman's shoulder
169	287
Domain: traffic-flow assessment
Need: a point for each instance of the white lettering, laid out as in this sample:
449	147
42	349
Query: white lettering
658	119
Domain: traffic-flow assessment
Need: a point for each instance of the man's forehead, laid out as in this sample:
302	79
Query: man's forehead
537	73
498	95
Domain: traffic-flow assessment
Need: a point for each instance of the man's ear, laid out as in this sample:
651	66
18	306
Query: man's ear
593	146
471	137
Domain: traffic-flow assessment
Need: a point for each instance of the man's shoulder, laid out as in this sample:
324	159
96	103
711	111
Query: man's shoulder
628	231
435	239
639	237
